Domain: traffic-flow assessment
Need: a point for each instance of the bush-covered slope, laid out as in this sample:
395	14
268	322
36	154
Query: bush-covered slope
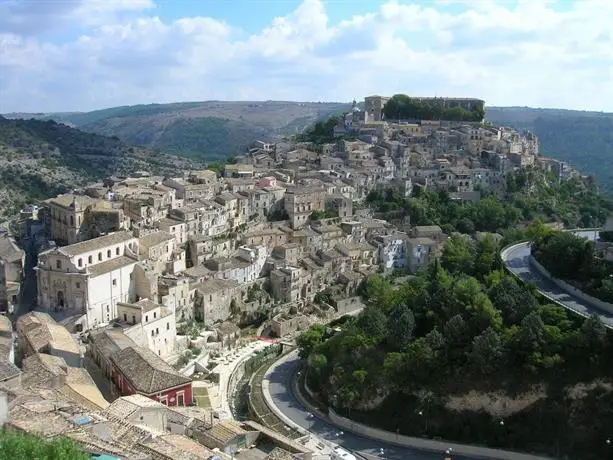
42	158
210	130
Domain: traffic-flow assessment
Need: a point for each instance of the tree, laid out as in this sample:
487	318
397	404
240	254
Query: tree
309	339
400	325
421	361
565	255
458	255
555	315
594	334
377	291
372	322
465	225
18	446
486	351
487	251
317	363
488	215
456	333
513	300
531	334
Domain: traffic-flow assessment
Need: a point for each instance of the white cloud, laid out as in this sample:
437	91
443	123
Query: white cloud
532	53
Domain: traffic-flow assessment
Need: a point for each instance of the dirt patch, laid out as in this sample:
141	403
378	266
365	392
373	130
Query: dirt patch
581	390
497	404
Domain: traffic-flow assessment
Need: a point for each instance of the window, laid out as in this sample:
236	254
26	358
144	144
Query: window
107	308
152	333
78	285
180	398
167	326
58	264
71	220
117	251
146	318
108	254
157	331
90	259
80	262
155	314
99	256
114	282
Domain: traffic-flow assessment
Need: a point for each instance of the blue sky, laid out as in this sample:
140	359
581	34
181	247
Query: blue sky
60	55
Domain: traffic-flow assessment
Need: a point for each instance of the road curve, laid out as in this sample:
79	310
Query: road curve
517	260
282	394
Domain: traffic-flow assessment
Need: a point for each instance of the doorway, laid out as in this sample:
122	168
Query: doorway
60	299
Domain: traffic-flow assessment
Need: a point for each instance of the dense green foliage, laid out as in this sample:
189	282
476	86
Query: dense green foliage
321	132
585	139
574	259
17	446
531	194
465	326
402	107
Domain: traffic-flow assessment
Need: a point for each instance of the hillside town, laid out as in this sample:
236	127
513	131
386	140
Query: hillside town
130	307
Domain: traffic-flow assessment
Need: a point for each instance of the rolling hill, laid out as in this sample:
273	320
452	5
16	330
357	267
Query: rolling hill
41	158
209	131
584	139
213	130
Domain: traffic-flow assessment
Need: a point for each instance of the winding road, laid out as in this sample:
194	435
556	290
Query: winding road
282	393
517	259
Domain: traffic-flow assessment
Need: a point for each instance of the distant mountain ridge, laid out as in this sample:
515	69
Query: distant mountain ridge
213	130
209	130
40	158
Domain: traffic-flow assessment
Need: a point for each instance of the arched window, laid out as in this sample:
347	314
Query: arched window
80	262
108	254
90	259
99	256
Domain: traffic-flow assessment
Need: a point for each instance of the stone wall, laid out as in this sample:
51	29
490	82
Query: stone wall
424	444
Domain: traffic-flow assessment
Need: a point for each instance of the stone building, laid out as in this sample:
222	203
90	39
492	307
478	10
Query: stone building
150	325
12	260
137	370
39	333
89	277
67	213
215	298
300	202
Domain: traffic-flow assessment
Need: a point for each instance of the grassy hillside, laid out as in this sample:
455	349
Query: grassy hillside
41	158
585	139
209	130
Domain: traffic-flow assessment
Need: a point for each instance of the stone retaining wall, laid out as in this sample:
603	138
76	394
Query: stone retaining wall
425	444
407	441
